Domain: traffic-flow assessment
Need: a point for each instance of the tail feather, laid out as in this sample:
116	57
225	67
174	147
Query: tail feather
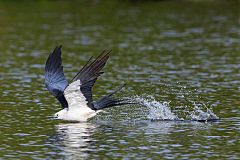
109	101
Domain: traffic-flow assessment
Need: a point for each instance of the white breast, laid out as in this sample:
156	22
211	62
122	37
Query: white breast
77	104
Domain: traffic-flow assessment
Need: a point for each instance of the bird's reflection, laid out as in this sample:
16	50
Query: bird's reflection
81	140
74	138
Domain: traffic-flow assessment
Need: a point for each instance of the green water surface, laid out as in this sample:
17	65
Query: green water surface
182	52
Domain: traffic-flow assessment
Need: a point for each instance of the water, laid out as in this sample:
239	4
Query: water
162	112
181	60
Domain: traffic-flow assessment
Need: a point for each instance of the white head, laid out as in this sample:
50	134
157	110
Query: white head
61	114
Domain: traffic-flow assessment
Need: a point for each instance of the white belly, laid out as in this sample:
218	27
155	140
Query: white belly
77	104
80	114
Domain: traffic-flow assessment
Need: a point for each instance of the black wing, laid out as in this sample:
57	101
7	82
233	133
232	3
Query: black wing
89	74
55	80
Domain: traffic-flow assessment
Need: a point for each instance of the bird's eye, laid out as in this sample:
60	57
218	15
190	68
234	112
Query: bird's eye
57	115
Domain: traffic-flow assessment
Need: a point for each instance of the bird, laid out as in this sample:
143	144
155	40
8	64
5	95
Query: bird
76	97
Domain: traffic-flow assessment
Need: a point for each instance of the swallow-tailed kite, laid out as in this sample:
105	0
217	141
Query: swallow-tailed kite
76	97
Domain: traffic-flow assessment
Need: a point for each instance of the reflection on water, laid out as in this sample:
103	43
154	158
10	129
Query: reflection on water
74	138
129	140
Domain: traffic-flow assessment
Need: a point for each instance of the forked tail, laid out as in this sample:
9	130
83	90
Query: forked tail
109	101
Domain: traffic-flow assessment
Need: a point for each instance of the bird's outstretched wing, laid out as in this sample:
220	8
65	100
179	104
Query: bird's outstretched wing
55	80
84	80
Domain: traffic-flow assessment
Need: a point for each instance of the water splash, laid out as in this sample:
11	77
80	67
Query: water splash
157	110
162	111
198	113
